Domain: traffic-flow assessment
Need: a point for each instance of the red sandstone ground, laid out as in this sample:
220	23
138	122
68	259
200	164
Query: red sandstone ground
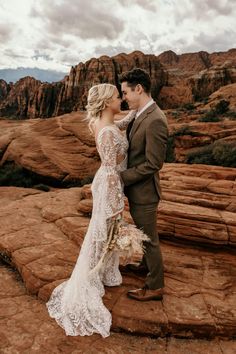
41	234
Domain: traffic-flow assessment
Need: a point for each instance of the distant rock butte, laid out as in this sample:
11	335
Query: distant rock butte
176	80
195	76
195	62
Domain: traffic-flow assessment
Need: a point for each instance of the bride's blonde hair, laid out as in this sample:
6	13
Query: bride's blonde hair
98	97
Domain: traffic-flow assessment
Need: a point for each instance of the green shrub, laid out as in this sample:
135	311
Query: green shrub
175	114
170	149
14	175
185	130
188	106
201	155
224	153
210	116
220	153
203	100
214	114
231	115
222	107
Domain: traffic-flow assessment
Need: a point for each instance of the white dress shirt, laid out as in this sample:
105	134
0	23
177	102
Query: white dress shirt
145	107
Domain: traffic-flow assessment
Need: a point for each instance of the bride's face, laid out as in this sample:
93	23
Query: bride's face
115	102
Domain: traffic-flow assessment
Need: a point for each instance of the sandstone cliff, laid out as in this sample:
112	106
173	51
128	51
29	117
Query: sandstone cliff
4	89
209	81
194	76
194	62
176	80
31	98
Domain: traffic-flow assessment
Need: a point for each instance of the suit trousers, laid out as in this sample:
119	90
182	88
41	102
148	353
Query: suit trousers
145	218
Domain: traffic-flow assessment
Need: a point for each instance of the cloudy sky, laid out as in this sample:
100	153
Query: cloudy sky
55	34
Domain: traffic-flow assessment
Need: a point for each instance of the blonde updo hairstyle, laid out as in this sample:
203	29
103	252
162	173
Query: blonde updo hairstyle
98	98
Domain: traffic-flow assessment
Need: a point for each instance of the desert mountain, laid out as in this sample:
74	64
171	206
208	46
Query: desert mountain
176	80
13	75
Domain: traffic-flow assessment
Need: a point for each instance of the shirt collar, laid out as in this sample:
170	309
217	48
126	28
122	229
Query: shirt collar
144	108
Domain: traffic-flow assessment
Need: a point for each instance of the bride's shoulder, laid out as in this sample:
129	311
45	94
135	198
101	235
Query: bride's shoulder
100	131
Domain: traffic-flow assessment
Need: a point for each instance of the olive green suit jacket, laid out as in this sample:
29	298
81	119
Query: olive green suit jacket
146	155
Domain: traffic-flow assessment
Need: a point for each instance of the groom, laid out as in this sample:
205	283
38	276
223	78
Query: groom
147	134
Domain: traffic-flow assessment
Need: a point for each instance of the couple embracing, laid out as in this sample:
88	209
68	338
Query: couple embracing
130	165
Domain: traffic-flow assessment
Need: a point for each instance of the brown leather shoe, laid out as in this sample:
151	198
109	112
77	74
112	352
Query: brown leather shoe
145	294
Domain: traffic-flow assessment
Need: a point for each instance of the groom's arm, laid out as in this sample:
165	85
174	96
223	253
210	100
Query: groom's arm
156	141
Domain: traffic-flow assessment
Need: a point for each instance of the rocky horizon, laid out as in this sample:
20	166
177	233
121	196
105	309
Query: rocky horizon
176	80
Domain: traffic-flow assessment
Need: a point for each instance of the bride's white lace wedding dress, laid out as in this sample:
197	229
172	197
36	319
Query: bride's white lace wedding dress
76	304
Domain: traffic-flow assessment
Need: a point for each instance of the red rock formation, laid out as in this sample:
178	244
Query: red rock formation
170	73
192	136
106	69
31	98
200	281
194	76
63	149
221	57
205	194
176	95
227	93
4	89
59	148
187	64
208	81
191	63
43	335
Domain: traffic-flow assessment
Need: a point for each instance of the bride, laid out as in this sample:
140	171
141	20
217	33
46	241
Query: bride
76	304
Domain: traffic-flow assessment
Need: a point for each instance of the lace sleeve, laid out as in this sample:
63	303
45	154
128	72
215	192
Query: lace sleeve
108	145
123	123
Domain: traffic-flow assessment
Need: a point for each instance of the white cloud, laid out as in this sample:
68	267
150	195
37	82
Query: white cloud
61	33
5	32
149	5
78	18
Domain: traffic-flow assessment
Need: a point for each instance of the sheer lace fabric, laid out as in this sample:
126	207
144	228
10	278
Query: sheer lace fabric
123	123
76	304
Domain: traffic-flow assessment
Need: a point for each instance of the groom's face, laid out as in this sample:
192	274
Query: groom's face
131	95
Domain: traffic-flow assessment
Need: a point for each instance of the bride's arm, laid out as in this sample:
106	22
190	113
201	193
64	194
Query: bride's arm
108	145
122	124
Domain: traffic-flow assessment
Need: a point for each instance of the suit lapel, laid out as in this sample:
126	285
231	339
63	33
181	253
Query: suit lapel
139	120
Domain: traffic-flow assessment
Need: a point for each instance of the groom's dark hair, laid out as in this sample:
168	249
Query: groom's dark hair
135	77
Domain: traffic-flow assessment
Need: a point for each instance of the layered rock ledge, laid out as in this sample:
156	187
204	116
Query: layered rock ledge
61	150
41	234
